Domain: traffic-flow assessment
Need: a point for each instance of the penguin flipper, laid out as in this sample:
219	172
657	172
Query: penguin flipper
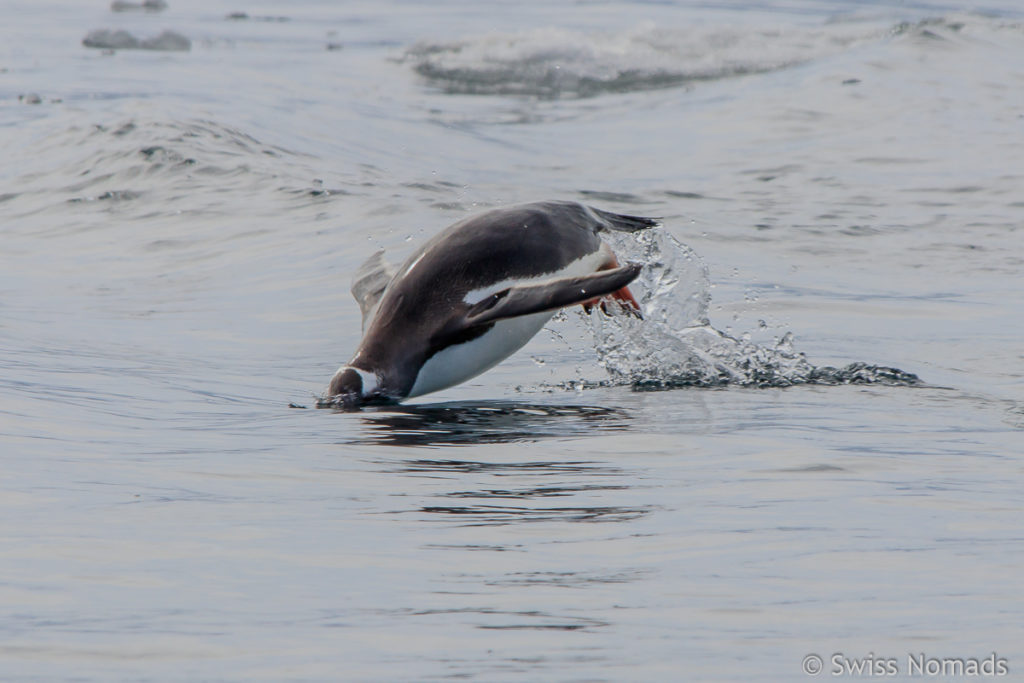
369	283
550	295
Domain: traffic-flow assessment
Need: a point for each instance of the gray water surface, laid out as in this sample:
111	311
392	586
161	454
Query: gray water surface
177	233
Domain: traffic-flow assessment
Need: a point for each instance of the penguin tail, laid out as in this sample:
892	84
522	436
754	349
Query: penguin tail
624	223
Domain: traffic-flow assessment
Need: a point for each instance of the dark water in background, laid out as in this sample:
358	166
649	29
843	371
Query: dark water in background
178	231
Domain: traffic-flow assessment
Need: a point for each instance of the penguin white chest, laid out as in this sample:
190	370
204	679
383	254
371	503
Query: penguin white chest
460	362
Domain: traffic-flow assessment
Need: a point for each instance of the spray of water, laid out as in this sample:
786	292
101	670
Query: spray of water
676	345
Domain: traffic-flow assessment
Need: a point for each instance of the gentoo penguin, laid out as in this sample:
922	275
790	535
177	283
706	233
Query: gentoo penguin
476	293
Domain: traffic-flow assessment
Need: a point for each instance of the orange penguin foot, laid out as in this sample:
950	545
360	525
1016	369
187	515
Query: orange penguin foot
625	298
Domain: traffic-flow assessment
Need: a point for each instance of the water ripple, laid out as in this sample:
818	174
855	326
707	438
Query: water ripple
472	424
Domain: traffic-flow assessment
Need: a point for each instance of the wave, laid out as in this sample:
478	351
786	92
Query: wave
561	63
554	62
146	163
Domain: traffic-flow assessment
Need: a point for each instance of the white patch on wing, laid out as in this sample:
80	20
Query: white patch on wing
585	265
460	362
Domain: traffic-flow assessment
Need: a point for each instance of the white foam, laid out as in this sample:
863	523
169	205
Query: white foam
557	62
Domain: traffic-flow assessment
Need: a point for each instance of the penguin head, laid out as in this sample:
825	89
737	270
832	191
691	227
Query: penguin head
351	387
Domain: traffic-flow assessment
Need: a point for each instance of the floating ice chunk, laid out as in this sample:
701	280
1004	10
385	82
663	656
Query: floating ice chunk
122	40
112	40
144	6
244	16
167	40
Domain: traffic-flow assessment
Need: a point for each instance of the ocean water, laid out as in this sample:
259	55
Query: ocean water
841	185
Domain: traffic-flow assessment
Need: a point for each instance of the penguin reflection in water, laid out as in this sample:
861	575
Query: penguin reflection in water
475	294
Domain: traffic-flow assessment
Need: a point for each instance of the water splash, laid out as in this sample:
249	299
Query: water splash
675	344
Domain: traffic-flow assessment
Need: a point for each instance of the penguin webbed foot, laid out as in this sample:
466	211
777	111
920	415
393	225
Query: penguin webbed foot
619	300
